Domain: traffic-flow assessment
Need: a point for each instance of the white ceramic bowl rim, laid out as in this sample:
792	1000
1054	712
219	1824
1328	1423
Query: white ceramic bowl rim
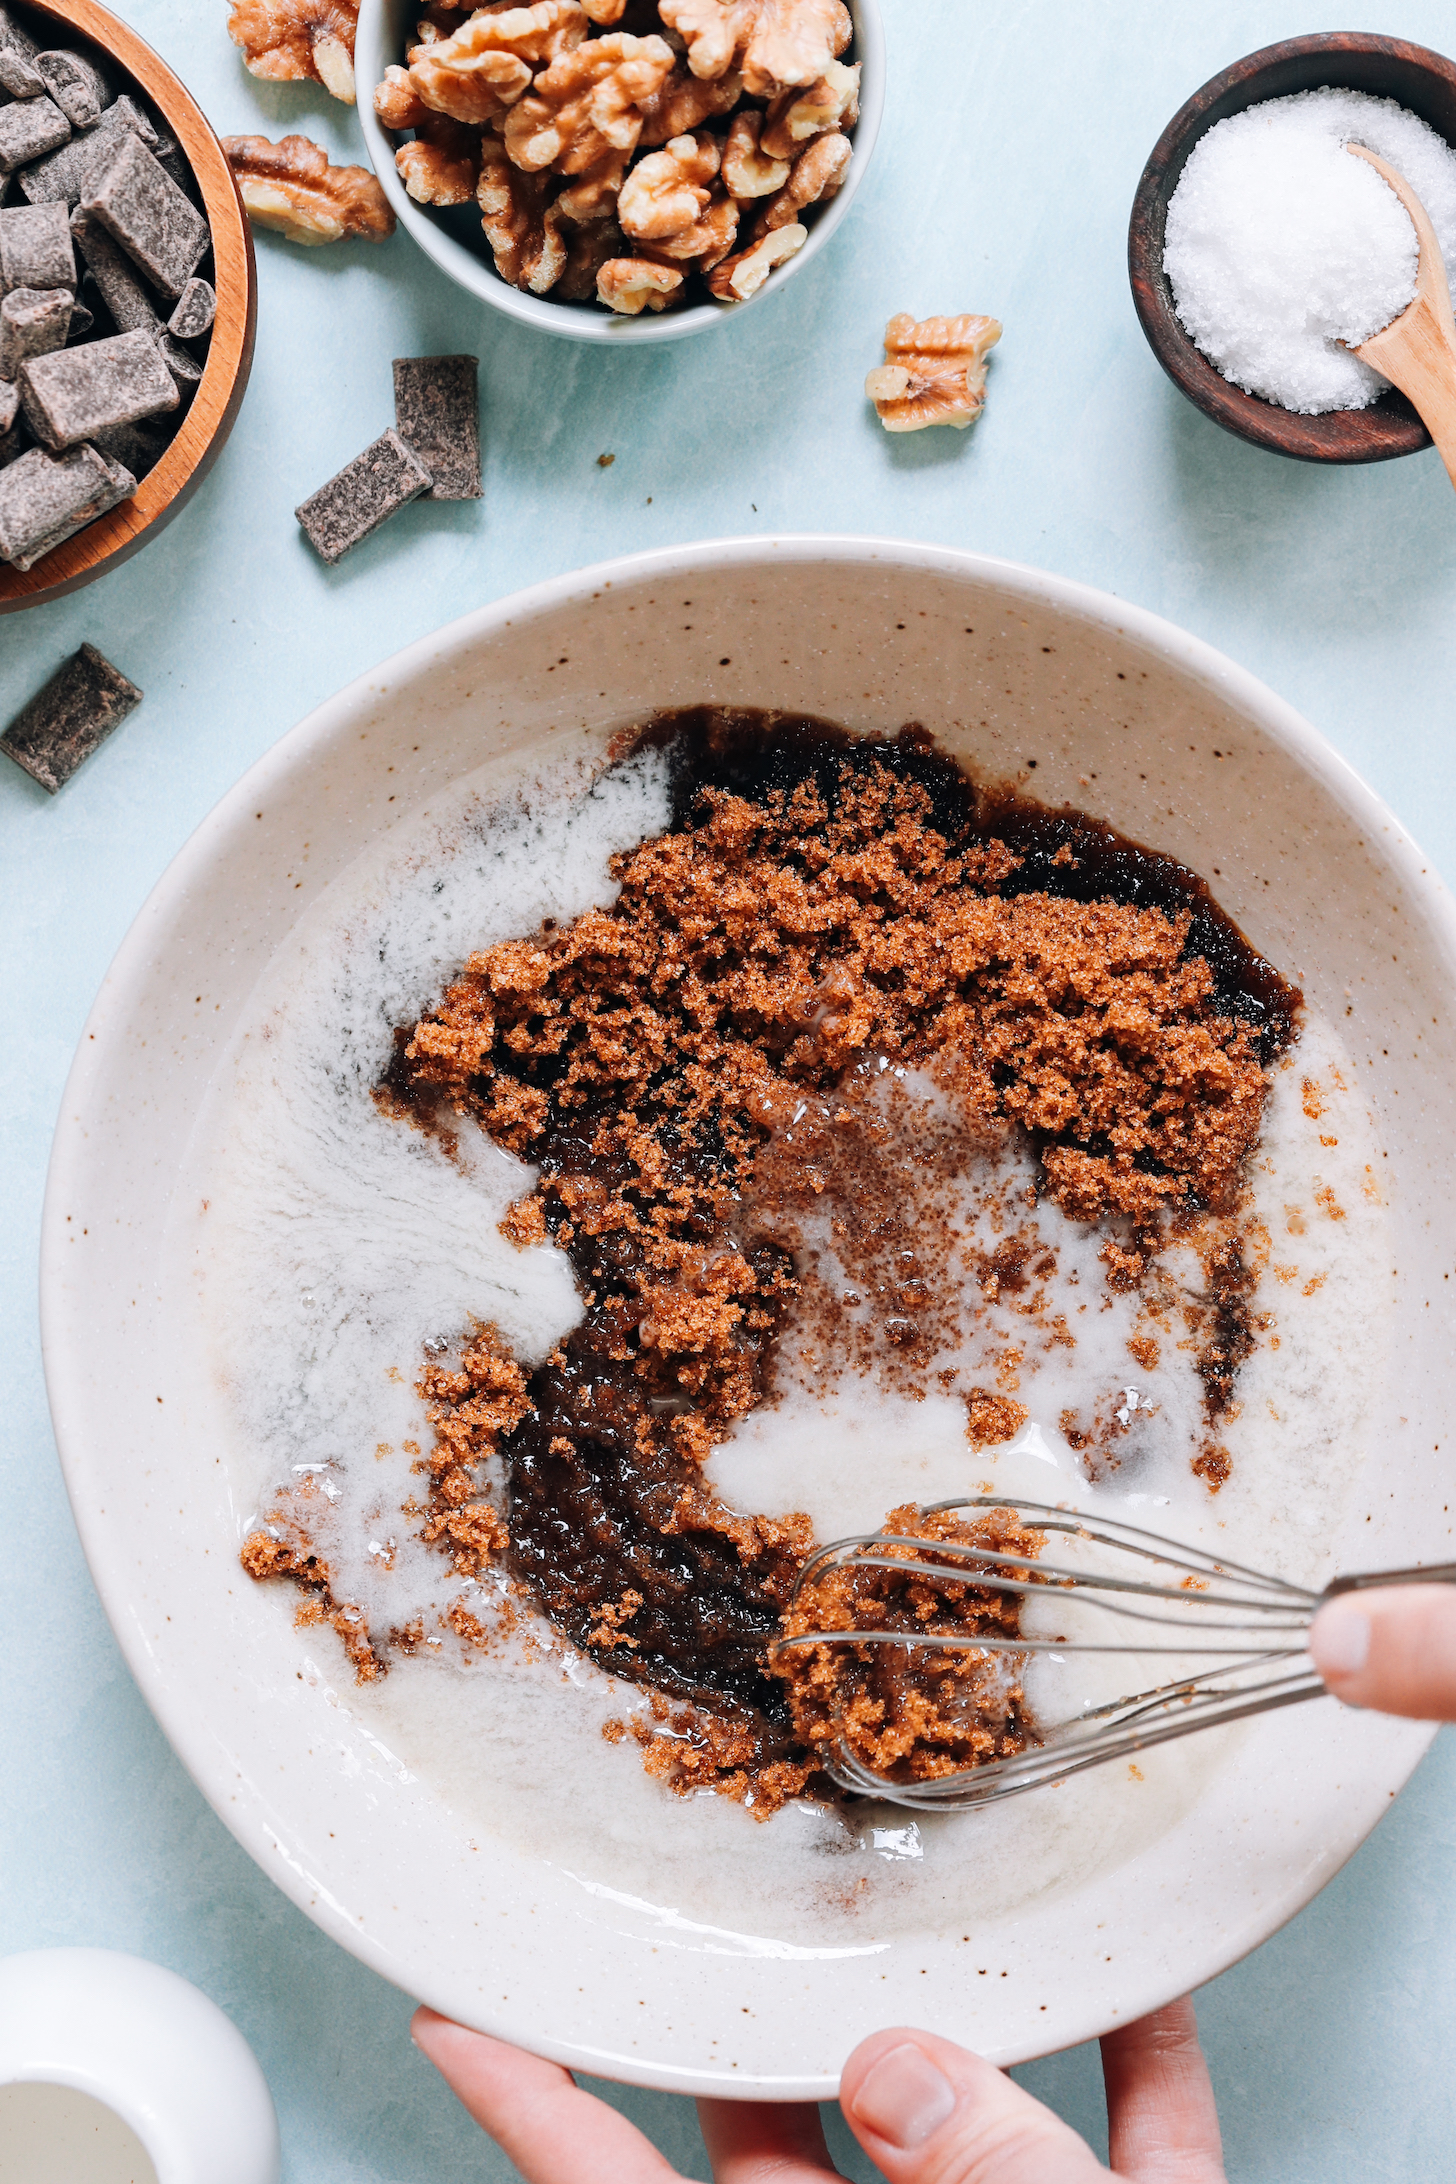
375	51
1372	1758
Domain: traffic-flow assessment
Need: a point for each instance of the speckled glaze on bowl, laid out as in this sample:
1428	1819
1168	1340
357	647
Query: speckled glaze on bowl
1006	665
380	42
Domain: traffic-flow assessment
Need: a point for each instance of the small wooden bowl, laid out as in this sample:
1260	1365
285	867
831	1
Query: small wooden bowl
108	541
1416	78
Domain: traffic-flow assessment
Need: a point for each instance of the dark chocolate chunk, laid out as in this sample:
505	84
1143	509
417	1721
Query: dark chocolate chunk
137	448
33	321
64	174
66	721
183	366
28	129
35	248
195	311
140	205
9	404
44	498
366	492
115	276
18	76
77	86
69	396
437	412
81	323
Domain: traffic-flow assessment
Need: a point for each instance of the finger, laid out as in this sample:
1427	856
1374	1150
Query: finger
765	2142
1395	1650
1162	2126
535	2112
928	2112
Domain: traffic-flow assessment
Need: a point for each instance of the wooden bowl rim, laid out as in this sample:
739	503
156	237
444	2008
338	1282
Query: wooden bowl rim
102	545
1390	427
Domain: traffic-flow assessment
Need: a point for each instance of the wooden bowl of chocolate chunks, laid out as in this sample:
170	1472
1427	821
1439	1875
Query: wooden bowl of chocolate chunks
128	296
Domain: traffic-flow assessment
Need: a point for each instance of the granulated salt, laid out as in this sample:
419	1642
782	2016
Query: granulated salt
1280	246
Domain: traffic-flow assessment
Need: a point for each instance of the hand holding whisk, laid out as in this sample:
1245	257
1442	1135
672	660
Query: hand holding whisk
907	1648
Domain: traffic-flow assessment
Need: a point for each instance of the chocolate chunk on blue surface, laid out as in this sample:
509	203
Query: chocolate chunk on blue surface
437	413
63	175
366	492
65	722
195	312
76	85
45	498
28	129
35	248
141	207
69	396
33	322
117	279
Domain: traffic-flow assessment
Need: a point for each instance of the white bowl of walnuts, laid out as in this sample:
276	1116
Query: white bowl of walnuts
620	170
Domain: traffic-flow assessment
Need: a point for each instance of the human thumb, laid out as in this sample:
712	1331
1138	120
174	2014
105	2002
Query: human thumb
1393	1649
928	2112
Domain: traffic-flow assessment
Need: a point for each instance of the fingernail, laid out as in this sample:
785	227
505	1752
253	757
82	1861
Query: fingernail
905	2099
1339	1639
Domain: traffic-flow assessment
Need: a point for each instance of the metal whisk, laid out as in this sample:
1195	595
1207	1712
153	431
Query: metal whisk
1189	1605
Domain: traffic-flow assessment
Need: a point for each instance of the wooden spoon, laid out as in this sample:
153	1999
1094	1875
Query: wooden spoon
1417	351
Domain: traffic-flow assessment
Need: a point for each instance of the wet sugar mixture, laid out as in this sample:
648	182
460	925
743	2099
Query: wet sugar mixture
683	1159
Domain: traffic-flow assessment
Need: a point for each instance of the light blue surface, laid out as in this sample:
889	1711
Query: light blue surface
1012	142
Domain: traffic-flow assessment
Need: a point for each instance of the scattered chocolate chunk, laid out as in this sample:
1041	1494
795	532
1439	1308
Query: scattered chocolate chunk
195	312
183	366
77	87
28	129
115	276
66	721
366	492
33	322
437	412
69	396
45	498
139	204
35	248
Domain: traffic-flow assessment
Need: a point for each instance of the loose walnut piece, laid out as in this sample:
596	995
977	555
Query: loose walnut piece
483	67
934	372
817	176
291	187
298	38
630	285
396	101
442	166
747	171
797	116
666	191
740	277
716	32
520	225
684	103
587	103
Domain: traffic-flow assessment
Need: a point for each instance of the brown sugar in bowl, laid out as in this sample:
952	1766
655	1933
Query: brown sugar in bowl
102	545
1388	68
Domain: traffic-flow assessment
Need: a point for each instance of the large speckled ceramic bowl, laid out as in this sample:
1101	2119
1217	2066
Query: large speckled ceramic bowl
1123	715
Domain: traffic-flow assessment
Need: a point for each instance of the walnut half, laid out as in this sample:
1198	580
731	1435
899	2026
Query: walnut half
298	38
290	186
934	372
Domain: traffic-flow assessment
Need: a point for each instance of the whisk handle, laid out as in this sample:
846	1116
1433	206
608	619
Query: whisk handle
1439	1573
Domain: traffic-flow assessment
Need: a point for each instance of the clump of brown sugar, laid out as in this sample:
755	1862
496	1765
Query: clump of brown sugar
912	1714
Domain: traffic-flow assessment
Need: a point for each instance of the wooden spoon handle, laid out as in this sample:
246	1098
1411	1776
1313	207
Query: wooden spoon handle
1417	351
